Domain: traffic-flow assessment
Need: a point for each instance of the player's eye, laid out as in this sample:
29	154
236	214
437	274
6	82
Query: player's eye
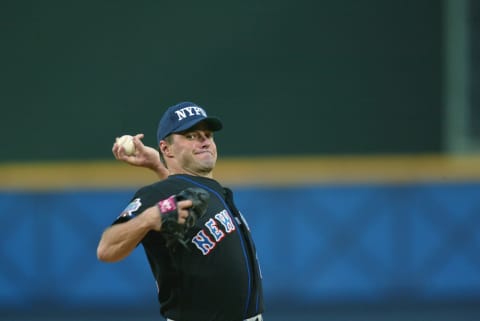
191	136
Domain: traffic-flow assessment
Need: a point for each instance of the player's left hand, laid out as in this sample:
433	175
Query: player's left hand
179	213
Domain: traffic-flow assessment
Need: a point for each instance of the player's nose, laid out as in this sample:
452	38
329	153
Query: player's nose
204	138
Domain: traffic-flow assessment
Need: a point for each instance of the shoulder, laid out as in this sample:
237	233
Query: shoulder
189	180
175	184
171	185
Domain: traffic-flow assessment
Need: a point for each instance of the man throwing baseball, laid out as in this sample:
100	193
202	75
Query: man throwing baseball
197	242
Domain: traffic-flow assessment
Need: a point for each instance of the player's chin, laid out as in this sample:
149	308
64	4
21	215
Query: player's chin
207	166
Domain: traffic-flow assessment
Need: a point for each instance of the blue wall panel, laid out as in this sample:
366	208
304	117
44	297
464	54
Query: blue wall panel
317	245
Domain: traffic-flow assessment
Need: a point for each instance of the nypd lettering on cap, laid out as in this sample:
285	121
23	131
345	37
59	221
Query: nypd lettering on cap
190	111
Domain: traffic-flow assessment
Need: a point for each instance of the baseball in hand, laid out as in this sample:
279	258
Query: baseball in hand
126	141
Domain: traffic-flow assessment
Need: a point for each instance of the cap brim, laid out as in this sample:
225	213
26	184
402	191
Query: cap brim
213	123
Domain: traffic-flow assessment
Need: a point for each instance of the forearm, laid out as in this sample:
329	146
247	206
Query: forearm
160	170
119	240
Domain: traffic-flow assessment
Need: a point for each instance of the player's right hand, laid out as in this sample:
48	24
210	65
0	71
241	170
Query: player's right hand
144	156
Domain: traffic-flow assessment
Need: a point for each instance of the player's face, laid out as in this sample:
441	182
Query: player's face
195	150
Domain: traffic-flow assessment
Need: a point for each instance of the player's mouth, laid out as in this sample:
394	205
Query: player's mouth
204	152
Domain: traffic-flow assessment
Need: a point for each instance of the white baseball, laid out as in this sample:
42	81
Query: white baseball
126	141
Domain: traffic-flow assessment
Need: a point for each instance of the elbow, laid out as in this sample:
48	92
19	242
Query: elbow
103	254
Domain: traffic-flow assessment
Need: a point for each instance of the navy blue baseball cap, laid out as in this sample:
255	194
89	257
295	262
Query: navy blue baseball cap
183	116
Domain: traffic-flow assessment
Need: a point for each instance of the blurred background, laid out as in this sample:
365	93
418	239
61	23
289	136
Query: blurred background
352	134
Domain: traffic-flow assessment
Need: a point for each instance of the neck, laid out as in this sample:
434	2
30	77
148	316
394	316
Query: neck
207	174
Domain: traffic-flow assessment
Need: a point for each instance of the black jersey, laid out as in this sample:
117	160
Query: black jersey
218	277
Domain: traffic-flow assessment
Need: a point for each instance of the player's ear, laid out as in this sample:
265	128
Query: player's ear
165	148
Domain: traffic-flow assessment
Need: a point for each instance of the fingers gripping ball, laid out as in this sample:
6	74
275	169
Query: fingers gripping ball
126	141
173	231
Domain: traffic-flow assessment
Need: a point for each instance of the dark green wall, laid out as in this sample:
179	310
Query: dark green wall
287	77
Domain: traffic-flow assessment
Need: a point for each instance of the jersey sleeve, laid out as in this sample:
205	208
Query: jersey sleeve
142	199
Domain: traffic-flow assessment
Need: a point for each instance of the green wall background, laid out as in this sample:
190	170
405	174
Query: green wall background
287	77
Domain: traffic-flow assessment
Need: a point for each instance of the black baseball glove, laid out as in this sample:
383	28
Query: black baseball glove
174	232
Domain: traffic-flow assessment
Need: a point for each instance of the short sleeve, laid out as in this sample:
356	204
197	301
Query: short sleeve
142	199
